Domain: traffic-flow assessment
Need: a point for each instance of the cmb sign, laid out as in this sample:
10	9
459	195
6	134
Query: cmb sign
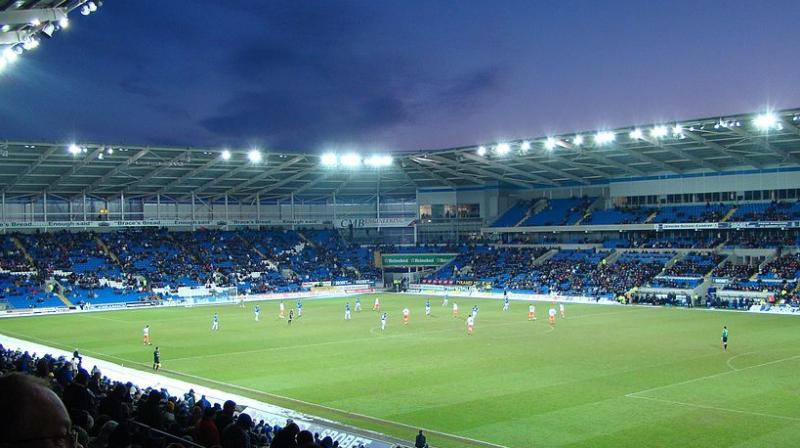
359	223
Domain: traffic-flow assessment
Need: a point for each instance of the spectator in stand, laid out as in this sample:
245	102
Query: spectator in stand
32	415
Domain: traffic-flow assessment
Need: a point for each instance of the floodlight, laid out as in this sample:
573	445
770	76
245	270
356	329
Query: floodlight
378	161
110	151
10	55
481	151
226	155
85	11
525	146
100	156
63	23
636	134
5	28
30	44
502	149
766	121
74	149
658	131
351	160
35	22
92	7
603	137
677	130
550	143
578	140
329	160
254	156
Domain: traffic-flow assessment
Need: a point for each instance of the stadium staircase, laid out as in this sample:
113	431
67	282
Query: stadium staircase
22	249
729	214
58	290
596	205
678	257
307	240
544	257
104	247
613	257
252	246
537	207
651	217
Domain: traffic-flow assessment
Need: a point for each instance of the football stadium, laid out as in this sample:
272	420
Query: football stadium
634	285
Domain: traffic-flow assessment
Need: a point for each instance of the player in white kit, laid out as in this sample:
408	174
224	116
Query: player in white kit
257	312
377	305
552	316
358	304
470	324
282	313
505	303
455	309
347	311
427	308
531	312
445	301
384	316
215	322
561	310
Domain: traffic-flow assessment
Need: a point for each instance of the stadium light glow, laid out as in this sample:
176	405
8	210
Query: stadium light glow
350	160
74	149
5	28
677	130
30	44
35	22
329	160
481	151
63	23
604	137
636	134
502	149
254	156
658	131
525	146
766	121
226	155
376	161
10	55
549	143
578	140
2	64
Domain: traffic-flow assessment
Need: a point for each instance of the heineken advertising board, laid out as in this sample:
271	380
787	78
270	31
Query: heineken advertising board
412	260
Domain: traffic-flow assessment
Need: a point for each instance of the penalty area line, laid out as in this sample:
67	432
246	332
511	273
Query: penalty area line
715	375
714	408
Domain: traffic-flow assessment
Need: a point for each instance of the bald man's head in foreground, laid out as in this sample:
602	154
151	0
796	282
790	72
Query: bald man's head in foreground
32	415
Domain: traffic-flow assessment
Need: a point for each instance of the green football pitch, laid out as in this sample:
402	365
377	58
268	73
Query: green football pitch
605	376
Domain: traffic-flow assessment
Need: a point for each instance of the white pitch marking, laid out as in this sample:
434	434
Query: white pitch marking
715	408
715	375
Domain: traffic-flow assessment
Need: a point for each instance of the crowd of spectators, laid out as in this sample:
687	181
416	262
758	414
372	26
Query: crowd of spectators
786	267
694	264
57	399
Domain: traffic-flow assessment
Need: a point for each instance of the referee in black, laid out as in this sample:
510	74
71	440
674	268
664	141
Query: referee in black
156	359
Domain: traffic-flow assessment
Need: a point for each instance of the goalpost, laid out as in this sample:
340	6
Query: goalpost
216	296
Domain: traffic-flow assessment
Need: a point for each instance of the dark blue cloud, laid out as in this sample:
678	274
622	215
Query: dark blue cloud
407	75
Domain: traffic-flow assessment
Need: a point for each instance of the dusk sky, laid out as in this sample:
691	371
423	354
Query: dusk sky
395	75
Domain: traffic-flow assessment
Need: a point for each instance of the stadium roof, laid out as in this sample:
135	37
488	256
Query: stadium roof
749	141
24	22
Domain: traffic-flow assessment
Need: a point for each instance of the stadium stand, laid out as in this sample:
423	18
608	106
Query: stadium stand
560	212
106	413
